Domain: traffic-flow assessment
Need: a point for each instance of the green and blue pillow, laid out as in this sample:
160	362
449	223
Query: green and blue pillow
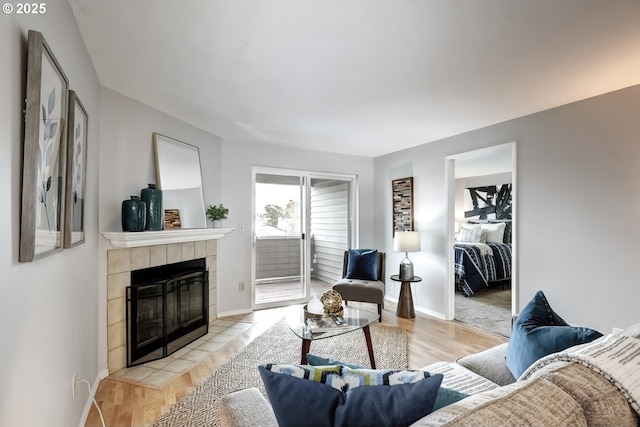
325	396
446	396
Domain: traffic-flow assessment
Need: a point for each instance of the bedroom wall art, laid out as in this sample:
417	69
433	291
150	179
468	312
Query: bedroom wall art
402	194
488	202
43	169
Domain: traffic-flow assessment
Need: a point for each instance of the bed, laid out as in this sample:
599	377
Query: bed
482	256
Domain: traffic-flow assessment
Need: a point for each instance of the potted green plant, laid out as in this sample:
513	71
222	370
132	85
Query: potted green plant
216	213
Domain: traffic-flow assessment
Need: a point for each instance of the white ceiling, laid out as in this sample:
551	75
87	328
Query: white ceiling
364	77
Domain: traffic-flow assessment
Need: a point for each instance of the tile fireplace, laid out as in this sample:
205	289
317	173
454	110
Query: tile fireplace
122	262
167	308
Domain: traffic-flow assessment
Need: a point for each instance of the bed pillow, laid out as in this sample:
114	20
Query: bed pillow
495	232
471	233
508	228
302	395
362	264
540	331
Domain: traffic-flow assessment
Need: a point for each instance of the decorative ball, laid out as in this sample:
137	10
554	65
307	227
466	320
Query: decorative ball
332	301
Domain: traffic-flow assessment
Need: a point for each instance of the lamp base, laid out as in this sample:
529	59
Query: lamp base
406	269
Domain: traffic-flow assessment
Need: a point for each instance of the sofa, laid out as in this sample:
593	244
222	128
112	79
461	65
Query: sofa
552	392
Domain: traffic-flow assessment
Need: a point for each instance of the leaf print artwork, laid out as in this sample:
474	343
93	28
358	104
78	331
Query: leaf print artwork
48	149
42	219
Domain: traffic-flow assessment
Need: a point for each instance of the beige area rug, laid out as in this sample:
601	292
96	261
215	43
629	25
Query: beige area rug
279	345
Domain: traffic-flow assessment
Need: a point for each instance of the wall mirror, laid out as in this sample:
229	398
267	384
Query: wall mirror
180	179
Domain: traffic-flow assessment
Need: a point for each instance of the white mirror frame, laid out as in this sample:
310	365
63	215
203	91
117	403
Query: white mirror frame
180	179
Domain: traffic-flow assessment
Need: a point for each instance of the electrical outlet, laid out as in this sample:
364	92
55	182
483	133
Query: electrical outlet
73	386
617	331
241	286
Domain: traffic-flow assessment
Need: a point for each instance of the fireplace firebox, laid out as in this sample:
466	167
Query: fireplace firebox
167	308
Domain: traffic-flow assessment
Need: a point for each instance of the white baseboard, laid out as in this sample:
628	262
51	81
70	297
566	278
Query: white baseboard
232	313
422	310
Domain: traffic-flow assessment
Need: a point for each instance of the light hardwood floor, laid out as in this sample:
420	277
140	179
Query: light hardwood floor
430	340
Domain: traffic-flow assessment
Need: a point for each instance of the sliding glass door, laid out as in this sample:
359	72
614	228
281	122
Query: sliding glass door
303	223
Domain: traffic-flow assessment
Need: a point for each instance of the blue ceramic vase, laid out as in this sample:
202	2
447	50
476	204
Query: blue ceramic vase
152	196
134	214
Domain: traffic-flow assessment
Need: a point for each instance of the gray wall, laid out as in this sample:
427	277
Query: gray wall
577	176
127	165
48	308
234	251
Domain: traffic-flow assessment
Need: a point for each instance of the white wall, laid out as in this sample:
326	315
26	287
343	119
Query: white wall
127	165
48	308
577	183
234	251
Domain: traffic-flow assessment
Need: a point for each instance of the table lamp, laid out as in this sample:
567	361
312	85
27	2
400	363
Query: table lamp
406	241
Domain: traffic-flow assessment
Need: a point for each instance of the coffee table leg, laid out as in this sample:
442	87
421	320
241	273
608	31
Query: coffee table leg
306	345
367	337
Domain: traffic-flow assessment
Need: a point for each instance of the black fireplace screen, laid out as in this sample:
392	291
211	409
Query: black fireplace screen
167	308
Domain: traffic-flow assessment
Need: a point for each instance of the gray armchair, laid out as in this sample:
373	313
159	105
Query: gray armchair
371	291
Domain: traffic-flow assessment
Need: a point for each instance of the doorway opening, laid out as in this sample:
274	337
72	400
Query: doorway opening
303	223
482	263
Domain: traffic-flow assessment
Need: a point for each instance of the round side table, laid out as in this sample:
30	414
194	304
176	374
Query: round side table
405	300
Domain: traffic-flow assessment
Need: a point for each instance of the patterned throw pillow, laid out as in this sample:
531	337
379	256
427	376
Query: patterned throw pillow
445	396
340	396
472	233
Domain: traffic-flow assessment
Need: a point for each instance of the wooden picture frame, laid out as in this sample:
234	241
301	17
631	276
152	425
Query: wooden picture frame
172	219
402	195
43	168
75	188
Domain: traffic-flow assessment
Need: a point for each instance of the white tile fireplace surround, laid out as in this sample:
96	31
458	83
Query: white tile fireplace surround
135	251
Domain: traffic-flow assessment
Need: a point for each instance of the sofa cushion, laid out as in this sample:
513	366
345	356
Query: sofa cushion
459	378
246	407
524	403
632	331
397	398
602	402
540	331
490	363
362	264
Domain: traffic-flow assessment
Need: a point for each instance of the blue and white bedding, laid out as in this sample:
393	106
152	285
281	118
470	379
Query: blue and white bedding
479	264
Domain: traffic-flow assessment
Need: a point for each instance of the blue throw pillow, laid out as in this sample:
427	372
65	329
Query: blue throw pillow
311	399
362	264
447	396
315	360
538	332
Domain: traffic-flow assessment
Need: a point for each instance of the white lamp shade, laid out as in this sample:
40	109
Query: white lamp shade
406	241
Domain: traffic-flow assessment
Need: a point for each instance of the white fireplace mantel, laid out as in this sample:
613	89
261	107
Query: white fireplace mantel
121	239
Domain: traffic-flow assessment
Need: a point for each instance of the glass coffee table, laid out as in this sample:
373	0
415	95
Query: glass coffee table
354	320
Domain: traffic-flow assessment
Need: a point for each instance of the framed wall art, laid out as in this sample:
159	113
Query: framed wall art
402	194
43	169
75	188
489	202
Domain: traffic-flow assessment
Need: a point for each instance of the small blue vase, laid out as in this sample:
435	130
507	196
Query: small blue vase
134	214
152	196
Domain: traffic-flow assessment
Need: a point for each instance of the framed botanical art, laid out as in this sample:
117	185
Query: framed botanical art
402	193
75	189
43	168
